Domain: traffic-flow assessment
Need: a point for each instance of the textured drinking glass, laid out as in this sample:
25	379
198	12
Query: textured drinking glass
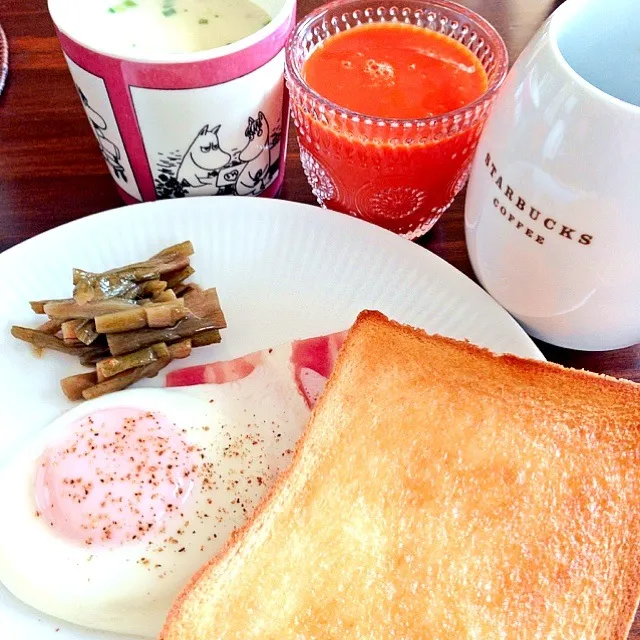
399	174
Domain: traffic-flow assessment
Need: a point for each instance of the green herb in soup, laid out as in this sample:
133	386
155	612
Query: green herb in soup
181	26
123	6
168	9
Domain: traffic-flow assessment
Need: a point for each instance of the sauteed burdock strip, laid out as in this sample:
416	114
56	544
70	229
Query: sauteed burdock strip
129	322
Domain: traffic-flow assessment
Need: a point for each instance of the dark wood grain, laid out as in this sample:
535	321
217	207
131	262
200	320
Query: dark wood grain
51	171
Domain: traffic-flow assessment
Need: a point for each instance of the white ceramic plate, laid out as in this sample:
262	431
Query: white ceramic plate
283	271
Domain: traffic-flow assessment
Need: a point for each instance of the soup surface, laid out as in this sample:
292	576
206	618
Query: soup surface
139	27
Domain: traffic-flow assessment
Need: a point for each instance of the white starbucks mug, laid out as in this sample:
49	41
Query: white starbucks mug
552	214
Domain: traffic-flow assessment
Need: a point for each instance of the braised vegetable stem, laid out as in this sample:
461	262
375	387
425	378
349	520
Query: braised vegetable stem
109	367
93	355
69	310
47	341
128	323
117	383
69	328
129	320
154	315
51	326
73	386
127	378
205	338
184	249
180	350
165	296
205	304
120	343
165	314
37	306
178	277
86	332
113	283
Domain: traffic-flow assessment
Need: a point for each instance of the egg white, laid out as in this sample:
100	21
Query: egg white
247	429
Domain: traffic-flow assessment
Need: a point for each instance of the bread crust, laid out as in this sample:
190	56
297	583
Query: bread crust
621	395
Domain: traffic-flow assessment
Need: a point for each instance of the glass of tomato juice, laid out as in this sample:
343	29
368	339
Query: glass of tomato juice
389	103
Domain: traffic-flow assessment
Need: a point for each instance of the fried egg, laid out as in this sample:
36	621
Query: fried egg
108	511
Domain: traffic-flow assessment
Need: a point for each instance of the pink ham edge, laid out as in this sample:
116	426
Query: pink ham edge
216	372
312	361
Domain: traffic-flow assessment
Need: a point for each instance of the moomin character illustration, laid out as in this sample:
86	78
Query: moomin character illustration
207	167
203	160
109	149
257	156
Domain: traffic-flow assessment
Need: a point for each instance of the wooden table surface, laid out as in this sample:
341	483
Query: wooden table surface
51	171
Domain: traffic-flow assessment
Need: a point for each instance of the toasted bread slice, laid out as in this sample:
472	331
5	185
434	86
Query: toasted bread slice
440	492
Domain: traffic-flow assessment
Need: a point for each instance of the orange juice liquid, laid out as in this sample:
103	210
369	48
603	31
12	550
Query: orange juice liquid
392	71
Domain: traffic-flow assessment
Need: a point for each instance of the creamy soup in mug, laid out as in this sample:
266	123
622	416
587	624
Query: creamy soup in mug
143	27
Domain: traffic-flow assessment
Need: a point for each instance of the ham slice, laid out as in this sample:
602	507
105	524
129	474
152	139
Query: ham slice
310	363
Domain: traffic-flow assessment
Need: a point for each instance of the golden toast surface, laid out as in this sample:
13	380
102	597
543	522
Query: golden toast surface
440	492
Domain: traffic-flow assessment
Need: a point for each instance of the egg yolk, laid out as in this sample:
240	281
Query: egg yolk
116	478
